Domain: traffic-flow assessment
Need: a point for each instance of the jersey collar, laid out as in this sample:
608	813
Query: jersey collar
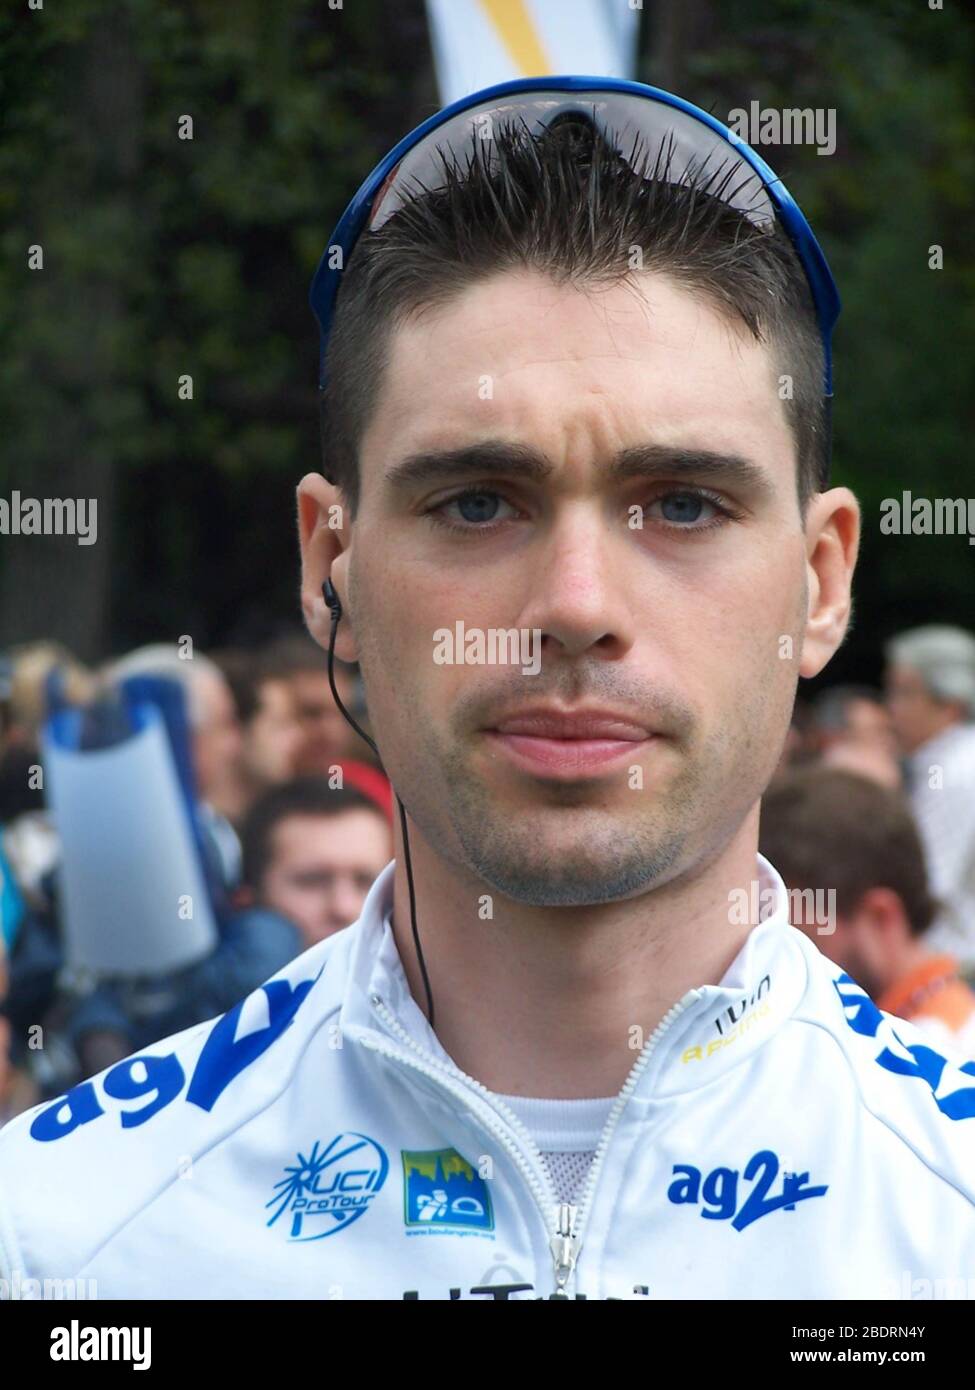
717	1025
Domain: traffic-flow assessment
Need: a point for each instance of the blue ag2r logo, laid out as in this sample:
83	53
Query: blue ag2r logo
330	1188
718	1191
237	1040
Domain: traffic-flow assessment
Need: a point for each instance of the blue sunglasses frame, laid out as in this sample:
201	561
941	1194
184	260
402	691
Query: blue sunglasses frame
325	284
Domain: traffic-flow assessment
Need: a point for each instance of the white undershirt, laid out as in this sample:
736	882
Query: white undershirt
567	1133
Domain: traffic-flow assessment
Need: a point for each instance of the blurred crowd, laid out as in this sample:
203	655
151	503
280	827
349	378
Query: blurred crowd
870	820
291	817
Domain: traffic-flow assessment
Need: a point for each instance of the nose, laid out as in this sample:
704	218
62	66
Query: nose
578	591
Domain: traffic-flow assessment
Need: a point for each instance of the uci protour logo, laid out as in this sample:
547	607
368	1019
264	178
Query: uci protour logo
327	1191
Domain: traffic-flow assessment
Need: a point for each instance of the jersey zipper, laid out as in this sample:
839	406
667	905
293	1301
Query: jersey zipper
565	1243
580	1216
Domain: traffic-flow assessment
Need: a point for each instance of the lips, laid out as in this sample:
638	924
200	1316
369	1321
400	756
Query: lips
576	724
569	744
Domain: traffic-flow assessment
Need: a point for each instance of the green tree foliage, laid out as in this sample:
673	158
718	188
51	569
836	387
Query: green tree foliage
166	257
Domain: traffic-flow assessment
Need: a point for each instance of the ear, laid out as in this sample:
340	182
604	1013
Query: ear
323	534
884	910
832	542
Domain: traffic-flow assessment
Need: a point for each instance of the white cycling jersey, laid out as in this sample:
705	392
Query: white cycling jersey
778	1137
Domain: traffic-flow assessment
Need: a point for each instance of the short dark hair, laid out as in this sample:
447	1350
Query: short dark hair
304	796
826	828
567	204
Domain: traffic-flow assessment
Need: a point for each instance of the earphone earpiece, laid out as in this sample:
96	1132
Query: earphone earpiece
332	599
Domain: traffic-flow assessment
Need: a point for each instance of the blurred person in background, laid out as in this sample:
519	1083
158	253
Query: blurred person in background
118	1017
5	1067
312	851
831	830
121	1017
851	728
32	666
17	1090
270	729
930	688
30	840
326	739
217	743
30	939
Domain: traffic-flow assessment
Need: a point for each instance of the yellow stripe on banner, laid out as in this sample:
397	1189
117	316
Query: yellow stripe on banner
519	36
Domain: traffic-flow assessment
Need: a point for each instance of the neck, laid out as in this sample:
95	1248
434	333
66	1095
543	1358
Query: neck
558	1001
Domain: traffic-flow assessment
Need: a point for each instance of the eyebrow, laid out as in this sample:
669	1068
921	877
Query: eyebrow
521	462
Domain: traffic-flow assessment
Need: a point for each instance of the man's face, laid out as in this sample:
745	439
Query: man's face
690	629
915	714
321	868
866	743
273	735
868	722
867	943
325	736
217	742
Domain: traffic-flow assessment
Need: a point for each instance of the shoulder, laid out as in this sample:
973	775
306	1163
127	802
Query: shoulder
922	1096
73	1170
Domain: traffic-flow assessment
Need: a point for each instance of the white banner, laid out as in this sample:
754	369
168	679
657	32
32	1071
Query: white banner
477	43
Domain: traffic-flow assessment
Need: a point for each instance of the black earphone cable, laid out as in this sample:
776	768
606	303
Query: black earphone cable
335	608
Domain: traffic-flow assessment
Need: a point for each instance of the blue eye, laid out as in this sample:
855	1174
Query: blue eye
477	509
477	506
684	508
